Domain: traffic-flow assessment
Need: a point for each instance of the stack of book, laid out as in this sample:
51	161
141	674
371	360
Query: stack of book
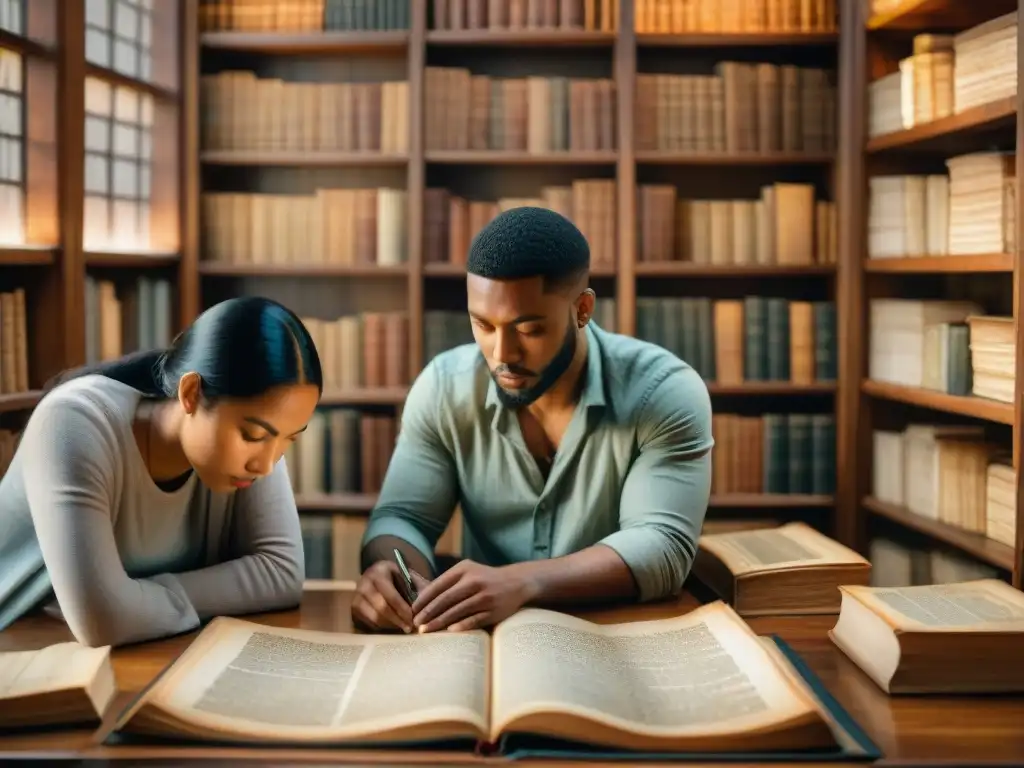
979	201
993	357
986	63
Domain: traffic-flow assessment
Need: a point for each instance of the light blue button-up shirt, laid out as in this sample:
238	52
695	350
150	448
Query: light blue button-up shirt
632	472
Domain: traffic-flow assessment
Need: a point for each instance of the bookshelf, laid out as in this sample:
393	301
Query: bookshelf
930	487
570	135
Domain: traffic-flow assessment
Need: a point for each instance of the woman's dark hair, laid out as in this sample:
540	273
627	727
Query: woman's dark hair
240	348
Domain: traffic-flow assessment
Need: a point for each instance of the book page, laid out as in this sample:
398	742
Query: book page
253	680
703	673
983	605
57	667
794	545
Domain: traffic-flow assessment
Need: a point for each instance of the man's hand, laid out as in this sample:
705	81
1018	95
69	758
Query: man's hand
470	596
378	604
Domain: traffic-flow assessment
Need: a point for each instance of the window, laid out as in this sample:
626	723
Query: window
12	148
118	154
118	36
12	16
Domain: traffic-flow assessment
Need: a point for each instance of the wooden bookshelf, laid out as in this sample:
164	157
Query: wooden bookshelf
873	270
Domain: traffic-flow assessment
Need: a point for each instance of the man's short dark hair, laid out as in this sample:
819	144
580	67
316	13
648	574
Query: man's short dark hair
530	242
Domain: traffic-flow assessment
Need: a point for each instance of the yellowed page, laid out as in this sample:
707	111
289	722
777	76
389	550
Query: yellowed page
259	682
794	545
705	673
981	605
59	667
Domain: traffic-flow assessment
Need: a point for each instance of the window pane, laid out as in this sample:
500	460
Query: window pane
124	224
97	225
126	140
97	13
126	21
126	105
126	179
14	160
12	16
97	134
12	215
10	114
97	47
97	174
126	58
98	97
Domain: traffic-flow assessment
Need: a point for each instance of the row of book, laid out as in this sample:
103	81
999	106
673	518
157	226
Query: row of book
588	15
303	15
946	74
14	365
954	474
126	316
342	451
450	222
240	111
332	226
970	210
743	107
467	111
791	453
709	16
786	225
368	350
949	346
757	338
897	564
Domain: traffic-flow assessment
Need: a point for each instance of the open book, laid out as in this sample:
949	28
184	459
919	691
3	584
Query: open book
700	682
791	569
940	638
62	684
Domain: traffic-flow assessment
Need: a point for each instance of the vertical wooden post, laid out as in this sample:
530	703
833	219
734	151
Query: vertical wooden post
625	171
416	180
188	121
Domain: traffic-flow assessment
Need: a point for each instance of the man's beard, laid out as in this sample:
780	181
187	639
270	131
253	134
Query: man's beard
520	398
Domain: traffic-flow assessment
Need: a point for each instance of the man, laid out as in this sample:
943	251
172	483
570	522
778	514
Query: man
580	458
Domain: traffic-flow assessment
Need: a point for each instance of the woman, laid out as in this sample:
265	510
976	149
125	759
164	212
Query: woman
149	494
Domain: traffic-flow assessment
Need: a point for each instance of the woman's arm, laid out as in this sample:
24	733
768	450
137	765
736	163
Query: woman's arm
267	568
70	459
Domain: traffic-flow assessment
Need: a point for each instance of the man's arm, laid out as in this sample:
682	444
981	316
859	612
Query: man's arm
420	488
661	510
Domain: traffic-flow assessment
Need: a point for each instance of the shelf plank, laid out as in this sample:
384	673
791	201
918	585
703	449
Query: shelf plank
115	77
303	159
116	259
26	46
19	401
369	396
689	269
982	119
661	157
764	388
925	15
974	544
26	255
562	38
307	42
769	501
336	502
985	262
975	407
218	269
736	39
499	157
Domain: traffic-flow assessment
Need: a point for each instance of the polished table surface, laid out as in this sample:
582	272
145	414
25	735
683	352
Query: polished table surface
908	730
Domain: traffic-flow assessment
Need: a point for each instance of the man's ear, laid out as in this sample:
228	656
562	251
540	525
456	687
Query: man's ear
190	392
585	307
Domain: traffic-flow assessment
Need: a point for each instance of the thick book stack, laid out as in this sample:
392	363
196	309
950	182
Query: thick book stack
922	343
240	111
589	15
895	564
908	216
926	80
986	63
784	226
757	338
1001	502
14	373
368	350
302	15
939	472
743	107
885	105
773	453
450	222
980	195
344	227
710	16
466	111
993	357
127	317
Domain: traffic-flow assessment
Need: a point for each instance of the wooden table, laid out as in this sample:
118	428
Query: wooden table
909	730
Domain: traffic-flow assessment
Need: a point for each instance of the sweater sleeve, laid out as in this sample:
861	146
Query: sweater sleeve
267	569
70	458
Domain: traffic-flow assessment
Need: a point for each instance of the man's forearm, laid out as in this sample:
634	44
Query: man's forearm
591	575
383	547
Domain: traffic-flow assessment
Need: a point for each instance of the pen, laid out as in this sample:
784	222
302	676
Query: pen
410	589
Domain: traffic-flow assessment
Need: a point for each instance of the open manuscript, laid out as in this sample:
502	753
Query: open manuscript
701	682
939	638
62	684
791	569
